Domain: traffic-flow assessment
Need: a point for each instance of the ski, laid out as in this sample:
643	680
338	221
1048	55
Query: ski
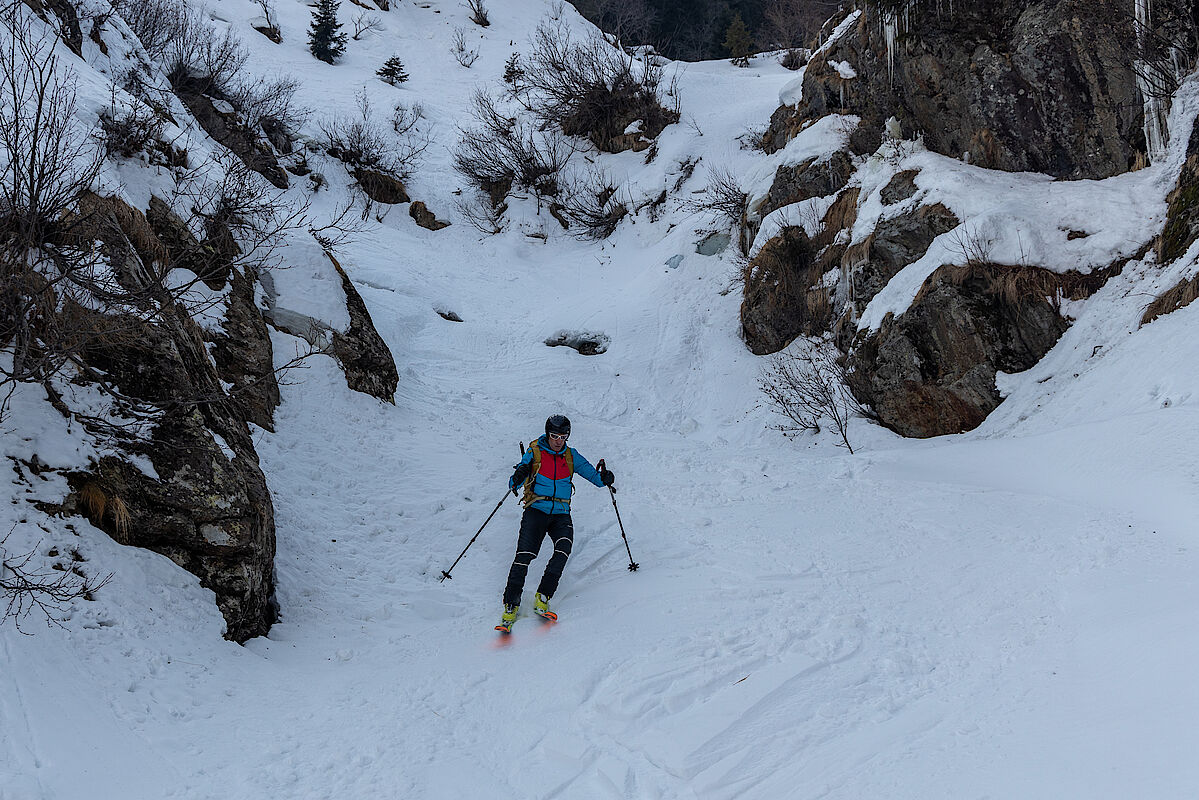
505	629
548	616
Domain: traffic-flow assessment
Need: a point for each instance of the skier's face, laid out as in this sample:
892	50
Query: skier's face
556	440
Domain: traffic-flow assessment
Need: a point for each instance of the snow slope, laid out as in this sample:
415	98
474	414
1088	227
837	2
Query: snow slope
1009	613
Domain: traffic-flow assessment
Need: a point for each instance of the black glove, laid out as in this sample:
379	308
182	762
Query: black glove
519	475
606	477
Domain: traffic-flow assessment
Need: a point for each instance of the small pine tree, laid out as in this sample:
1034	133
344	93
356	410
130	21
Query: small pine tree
512	71
738	42
325	38
392	71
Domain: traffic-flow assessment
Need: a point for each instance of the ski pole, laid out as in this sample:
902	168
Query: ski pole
633	565
445	573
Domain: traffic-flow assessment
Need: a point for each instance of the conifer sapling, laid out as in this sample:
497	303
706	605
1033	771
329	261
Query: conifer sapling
325	37
738	42
392	71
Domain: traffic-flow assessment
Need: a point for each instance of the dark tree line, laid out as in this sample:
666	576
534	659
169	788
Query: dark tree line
693	30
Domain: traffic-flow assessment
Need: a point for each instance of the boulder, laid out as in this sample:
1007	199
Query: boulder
425	218
381	187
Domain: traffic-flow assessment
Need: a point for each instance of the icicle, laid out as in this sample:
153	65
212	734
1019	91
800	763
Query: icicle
889	32
1153	86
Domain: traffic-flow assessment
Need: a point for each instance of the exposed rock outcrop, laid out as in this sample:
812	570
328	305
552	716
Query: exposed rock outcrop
896	242
364	356
205	504
211	260
931	371
784	297
228	130
244	355
1039	85
1182	217
794	183
1179	235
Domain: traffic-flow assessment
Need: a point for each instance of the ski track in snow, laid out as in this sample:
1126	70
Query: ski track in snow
1003	614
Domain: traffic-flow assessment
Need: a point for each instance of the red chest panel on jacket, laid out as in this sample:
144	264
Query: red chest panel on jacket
553	466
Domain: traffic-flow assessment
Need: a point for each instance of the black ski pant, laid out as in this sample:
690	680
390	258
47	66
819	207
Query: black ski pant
534	527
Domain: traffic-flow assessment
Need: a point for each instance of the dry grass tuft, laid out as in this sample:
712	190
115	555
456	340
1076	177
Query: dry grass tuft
94	501
1180	296
120	519
1013	285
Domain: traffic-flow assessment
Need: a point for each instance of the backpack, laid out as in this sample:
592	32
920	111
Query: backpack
535	468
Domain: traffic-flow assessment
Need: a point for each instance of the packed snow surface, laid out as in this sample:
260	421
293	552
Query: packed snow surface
1009	613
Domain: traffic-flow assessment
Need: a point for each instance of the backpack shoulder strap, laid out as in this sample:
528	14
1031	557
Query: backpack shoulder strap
534	469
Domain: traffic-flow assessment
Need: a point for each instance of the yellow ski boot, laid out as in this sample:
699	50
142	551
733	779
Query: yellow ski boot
541	607
507	618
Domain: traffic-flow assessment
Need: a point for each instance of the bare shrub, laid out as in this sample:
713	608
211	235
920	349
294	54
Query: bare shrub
461	53
793	58
503	151
129	127
269	105
271	28
27	586
787	277
362	143
723	196
195	55
592	205
482	215
591	88
790	23
809	386
155	23
46	162
405	118
478	13
365	23
973	244
340	228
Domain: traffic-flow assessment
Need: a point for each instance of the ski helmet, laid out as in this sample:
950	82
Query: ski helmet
558	424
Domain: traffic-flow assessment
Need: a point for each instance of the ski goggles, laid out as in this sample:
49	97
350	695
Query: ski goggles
558	437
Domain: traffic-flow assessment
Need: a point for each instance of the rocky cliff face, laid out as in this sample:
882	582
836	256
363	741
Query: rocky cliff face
1049	86
204	503
182	477
1016	85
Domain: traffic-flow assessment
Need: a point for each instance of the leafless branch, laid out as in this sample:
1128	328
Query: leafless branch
365	22
810	386
27	586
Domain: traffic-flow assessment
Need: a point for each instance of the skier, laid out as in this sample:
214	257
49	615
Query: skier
546	472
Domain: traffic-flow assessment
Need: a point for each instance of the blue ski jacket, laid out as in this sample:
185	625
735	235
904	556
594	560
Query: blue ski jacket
552	484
